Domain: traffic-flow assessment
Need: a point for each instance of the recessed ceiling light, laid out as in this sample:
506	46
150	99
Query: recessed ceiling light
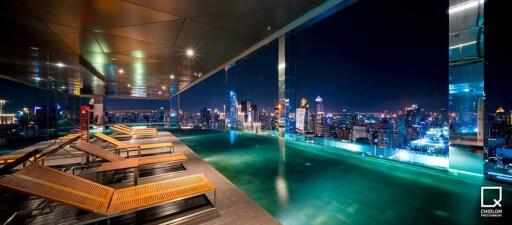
128	85
159	92
172	76
113	59
163	87
121	71
190	52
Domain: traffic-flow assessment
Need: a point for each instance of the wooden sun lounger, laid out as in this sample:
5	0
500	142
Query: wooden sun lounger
4	159
54	185
124	127
135	128
67	137
113	158
133	133
134	147
15	158
36	155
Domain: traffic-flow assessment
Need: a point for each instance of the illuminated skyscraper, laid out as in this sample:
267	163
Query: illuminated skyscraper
319	105
301	116
319	125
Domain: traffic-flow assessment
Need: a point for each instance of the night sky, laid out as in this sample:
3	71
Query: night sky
372	56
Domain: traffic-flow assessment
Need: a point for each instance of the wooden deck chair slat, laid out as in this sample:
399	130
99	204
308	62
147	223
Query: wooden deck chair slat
160	192
136	131
132	128
67	137
68	189
120	144
96	151
112	157
155	145
131	133
59	146
154	159
111	140
60	187
122	131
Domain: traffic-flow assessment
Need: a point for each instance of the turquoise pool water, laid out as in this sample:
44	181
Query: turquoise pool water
304	184
3	152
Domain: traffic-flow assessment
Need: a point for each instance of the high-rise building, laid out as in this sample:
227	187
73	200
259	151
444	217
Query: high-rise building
319	106
360	134
320	127
385	134
301	116
245	109
401	126
254	113
206	115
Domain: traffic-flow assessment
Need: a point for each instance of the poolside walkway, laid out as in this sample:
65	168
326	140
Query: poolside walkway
232	205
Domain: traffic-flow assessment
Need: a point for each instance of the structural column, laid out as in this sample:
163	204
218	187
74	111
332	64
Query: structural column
466	73
174	106
286	80
98	111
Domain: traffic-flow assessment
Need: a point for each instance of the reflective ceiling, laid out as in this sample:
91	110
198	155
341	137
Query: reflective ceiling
138	47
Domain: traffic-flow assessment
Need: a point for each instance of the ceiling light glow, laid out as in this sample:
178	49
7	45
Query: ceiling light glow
464	6
462	45
190	52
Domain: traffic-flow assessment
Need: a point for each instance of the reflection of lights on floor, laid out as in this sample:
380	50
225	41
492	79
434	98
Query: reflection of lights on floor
232	137
282	190
403	155
501	176
408	156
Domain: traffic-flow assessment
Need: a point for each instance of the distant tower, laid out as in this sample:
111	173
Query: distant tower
319	105
319	118
302	116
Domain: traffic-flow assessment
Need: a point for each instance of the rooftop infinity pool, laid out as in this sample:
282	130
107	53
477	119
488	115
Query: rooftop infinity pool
299	183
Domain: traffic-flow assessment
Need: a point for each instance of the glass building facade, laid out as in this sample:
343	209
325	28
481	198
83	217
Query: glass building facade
466	72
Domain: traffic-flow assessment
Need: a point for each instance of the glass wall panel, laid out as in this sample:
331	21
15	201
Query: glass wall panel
39	82
498	132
